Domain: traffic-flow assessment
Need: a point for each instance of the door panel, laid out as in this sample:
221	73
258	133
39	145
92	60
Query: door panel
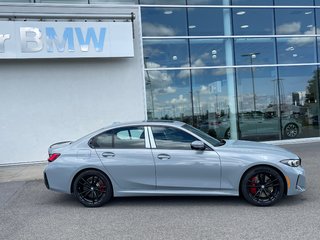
130	168
187	169
125	156
178	167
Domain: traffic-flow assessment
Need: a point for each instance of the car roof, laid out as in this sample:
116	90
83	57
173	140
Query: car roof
148	123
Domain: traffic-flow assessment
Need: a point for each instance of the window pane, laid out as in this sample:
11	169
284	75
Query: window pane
163	2
255	51
207	52
17	1
318	20
132	137
164	22
253	21
115	1
168	95
253	2
201	22
294	2
295	21
172	138
300	101
296	50
166	53
103	140
211	105
205	2
258	103
62	1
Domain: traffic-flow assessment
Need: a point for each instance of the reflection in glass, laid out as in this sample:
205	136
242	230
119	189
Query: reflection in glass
295	21
294	2
207	52
163	2
318	20
253	21
205	22
253	2
258	103
61	1
255	51
299	101
296	50
168	95
115	1
211	105
166	53
205	2
164	22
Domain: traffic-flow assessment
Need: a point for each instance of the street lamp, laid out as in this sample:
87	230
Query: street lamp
251	57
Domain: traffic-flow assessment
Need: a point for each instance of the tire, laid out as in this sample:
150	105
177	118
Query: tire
92	188
262	186
227	134
291	130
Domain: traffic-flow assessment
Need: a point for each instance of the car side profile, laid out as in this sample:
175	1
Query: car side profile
158	158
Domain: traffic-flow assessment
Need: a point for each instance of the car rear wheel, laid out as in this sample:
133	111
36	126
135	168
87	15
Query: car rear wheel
262	186
227	134
92	188
291	130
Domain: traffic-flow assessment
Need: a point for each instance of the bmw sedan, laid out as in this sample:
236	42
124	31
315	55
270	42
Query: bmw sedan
170	158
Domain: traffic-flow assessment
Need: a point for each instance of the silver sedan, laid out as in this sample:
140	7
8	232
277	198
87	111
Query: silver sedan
151	158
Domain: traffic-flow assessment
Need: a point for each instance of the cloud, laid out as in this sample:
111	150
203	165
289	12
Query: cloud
181	99
204	89
289	28
166	90
150	29
301	41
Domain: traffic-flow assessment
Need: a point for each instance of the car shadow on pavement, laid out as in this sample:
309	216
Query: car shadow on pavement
172	201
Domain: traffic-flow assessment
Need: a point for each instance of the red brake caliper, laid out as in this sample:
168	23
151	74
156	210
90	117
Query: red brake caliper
253	189
102	187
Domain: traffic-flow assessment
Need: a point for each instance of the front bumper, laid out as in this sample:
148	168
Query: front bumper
296	180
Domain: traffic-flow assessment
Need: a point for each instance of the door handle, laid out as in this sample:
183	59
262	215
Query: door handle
164	156
108	154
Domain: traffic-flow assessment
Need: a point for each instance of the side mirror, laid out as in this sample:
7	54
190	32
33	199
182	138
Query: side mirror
198	145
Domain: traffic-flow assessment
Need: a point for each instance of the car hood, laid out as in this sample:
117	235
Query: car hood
255	148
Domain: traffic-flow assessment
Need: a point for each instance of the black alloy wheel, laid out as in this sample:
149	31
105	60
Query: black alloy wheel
291	130
262	186
92	188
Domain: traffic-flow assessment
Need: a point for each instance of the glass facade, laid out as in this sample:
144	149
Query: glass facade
240	69
244	72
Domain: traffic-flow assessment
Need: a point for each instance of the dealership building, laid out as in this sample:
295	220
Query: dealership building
239	69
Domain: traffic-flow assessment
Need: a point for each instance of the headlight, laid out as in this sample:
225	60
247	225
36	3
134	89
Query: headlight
292	163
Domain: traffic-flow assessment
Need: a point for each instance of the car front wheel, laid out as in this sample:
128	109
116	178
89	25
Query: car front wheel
291	130
92	188
262	186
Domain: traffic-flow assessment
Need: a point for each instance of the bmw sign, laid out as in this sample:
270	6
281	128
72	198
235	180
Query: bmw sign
65	39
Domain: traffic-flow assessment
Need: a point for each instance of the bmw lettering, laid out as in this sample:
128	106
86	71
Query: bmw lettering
66	39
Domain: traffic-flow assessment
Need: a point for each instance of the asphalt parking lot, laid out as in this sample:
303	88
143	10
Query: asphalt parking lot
29	211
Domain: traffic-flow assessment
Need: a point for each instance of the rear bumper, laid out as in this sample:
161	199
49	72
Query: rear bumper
46	180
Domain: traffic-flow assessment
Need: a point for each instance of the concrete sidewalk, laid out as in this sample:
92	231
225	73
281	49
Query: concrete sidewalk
23	172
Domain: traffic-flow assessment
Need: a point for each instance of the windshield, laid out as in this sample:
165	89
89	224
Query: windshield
204	136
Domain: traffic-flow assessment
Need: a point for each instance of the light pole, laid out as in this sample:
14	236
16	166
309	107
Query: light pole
251	57
148	82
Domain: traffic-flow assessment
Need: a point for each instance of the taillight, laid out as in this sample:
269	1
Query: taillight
53	157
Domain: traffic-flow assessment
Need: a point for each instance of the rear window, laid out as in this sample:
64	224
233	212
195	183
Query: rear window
122	138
